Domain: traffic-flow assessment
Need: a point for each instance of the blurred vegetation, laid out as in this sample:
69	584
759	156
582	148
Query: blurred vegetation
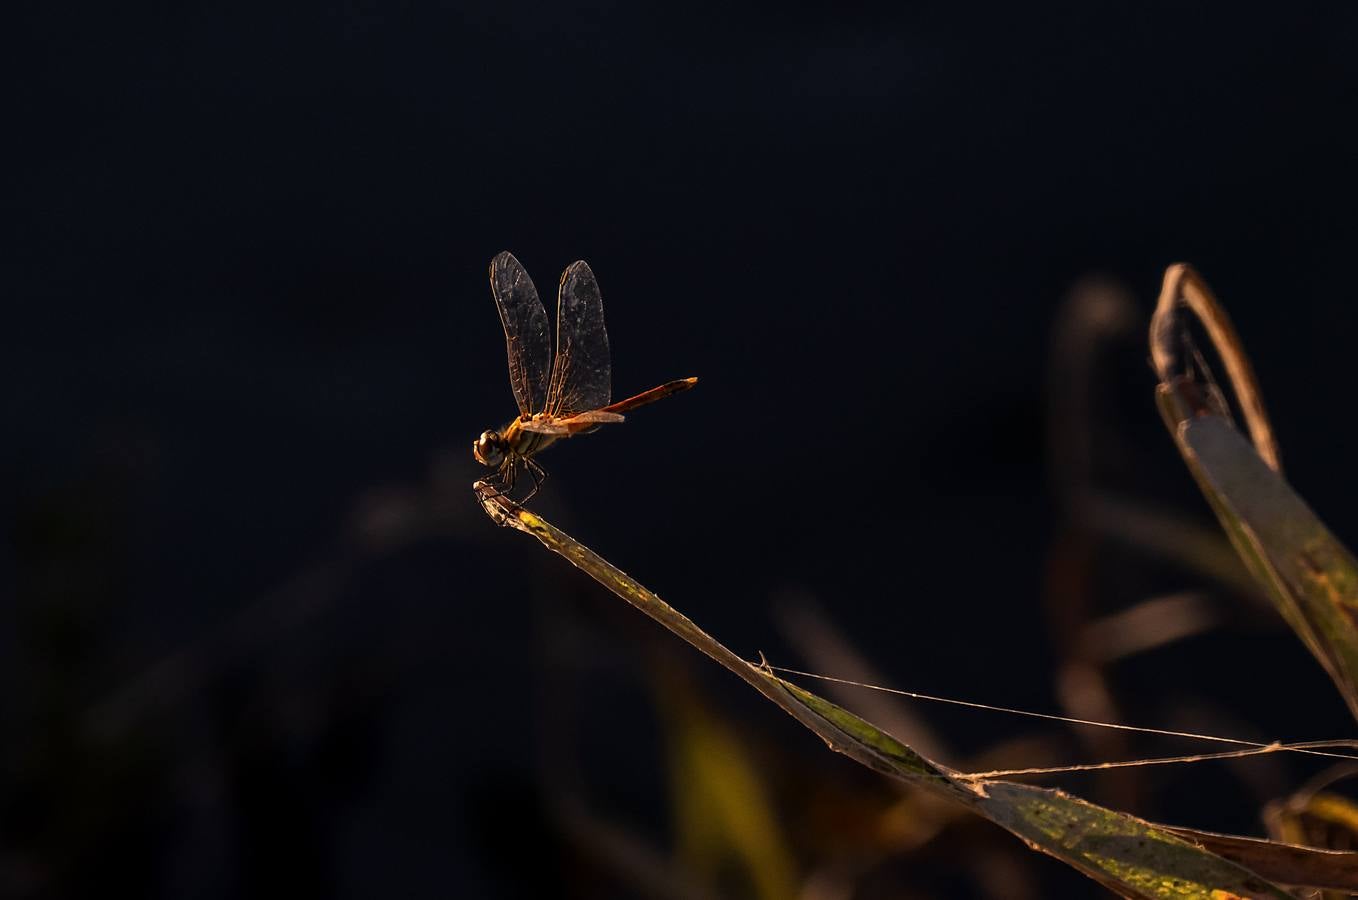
98	768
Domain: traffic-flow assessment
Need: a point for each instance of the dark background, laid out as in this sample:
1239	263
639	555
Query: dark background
263	641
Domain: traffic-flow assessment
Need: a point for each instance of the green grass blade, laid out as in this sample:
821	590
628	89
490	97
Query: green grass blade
1130	856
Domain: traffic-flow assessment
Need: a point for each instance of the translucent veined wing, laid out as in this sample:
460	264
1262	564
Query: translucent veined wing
582	378
592	417
527	340
584	421
544	426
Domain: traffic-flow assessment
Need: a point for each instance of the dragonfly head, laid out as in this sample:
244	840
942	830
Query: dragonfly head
489	449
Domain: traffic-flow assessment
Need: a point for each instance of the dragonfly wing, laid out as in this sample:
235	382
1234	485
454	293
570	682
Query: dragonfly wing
526	336
582	377
543	426
592	417
582	422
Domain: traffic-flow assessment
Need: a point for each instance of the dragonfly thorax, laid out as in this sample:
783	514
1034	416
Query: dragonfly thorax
489	449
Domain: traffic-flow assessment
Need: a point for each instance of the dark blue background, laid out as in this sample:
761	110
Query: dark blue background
264	640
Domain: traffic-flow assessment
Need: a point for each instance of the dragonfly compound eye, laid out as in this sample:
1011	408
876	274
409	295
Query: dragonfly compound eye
488	450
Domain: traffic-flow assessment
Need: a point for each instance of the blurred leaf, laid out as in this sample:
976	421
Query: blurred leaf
1337	811
625	854
1128	855
1169	536
1317	816
1321	818
721	805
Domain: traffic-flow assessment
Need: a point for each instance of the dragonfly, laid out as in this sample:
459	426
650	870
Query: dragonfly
575	395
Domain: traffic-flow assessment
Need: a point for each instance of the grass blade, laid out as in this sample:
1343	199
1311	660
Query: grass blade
1128	855
1310	576
1287	863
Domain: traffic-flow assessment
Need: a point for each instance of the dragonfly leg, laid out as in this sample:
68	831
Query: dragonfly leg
502	479
535	472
